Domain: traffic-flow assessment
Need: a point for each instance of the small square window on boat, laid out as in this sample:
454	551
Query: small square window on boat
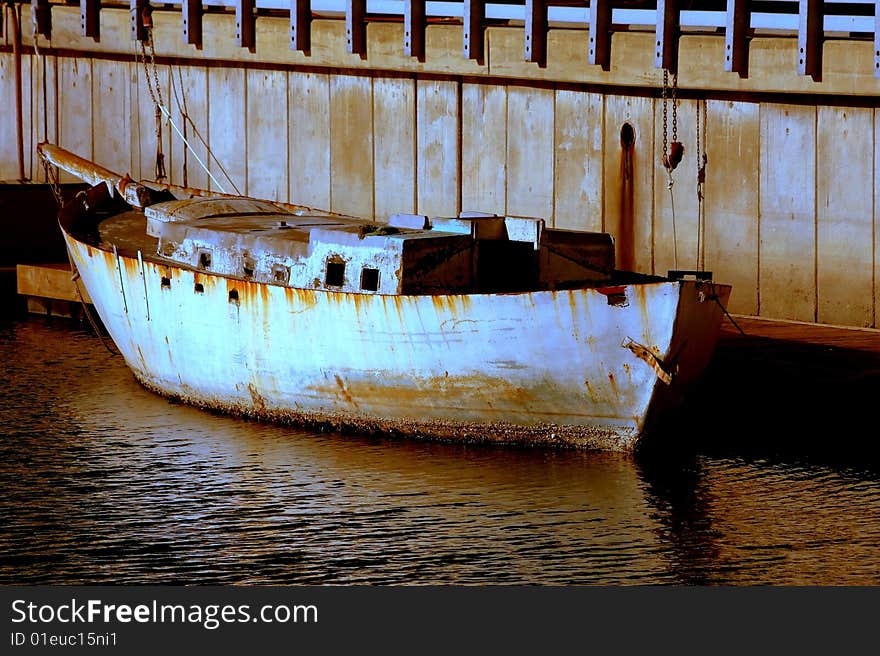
199	288
280	274
204	259
335	276
247	267
166	283
370	279
233	296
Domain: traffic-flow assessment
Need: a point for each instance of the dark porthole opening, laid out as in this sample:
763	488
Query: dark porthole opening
248	266
166	283
627	136
199	288
370	279
233	296
335	276
280	273
204	259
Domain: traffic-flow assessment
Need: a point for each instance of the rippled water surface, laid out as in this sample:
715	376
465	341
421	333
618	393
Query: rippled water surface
103	481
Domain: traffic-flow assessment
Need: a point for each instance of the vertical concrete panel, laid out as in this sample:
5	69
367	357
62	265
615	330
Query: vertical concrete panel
579	187
731	199
876	213
227	136
111	104
144	138
309	125
844	214
629	181
8	147
675	232
75	108
484	147
788	212
44	126
189	93
267	134
351	144
530	119
439	139
29	146
394	101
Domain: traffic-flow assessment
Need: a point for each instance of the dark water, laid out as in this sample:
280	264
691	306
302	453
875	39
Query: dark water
104	482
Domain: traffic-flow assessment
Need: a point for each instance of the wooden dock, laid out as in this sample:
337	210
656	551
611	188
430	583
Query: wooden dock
50	289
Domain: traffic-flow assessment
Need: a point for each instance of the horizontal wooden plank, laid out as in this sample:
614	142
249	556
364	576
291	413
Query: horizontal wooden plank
52	281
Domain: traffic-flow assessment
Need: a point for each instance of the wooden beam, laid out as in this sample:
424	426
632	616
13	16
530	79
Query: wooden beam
301	25
414	28
472	37
536	32
736	53
89	22
192	22
356	27
245	24
876	38
600	33
43	17
138	31
666	36
810	32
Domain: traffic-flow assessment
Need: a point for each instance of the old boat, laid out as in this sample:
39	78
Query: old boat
475	327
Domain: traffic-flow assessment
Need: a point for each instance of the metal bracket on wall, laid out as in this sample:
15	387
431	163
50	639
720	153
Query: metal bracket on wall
301	25
414	28
136	16
245	24
536	32
43	17
472	32
736	53
600	33
192	22
356	27
89	21
667	33
810	31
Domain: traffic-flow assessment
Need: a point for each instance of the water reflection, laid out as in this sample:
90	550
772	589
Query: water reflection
105	482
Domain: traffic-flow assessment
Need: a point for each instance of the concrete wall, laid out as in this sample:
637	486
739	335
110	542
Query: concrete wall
790	215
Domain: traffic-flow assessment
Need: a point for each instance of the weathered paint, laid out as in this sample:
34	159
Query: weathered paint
351	144
844	243
530	152
309	125
267	135
395	145
439	138
484	148
475	367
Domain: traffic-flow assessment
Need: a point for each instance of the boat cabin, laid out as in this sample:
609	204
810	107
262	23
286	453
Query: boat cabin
411	254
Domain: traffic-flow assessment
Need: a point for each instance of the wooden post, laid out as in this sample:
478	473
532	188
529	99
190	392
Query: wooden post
245	24
414	28
43	16
192	22
356	26
135	15
301	25
810	32
600	33
472	37
89	23
736	54
666	40
536	32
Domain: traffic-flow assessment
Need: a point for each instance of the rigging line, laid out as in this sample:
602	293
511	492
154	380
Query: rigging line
164	110
184	112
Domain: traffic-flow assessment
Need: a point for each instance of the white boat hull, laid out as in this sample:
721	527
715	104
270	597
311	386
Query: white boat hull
546	367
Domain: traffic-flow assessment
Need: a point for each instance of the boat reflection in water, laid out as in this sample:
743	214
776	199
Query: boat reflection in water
105	482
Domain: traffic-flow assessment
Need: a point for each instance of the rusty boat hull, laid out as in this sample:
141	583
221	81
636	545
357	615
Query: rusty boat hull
557	367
